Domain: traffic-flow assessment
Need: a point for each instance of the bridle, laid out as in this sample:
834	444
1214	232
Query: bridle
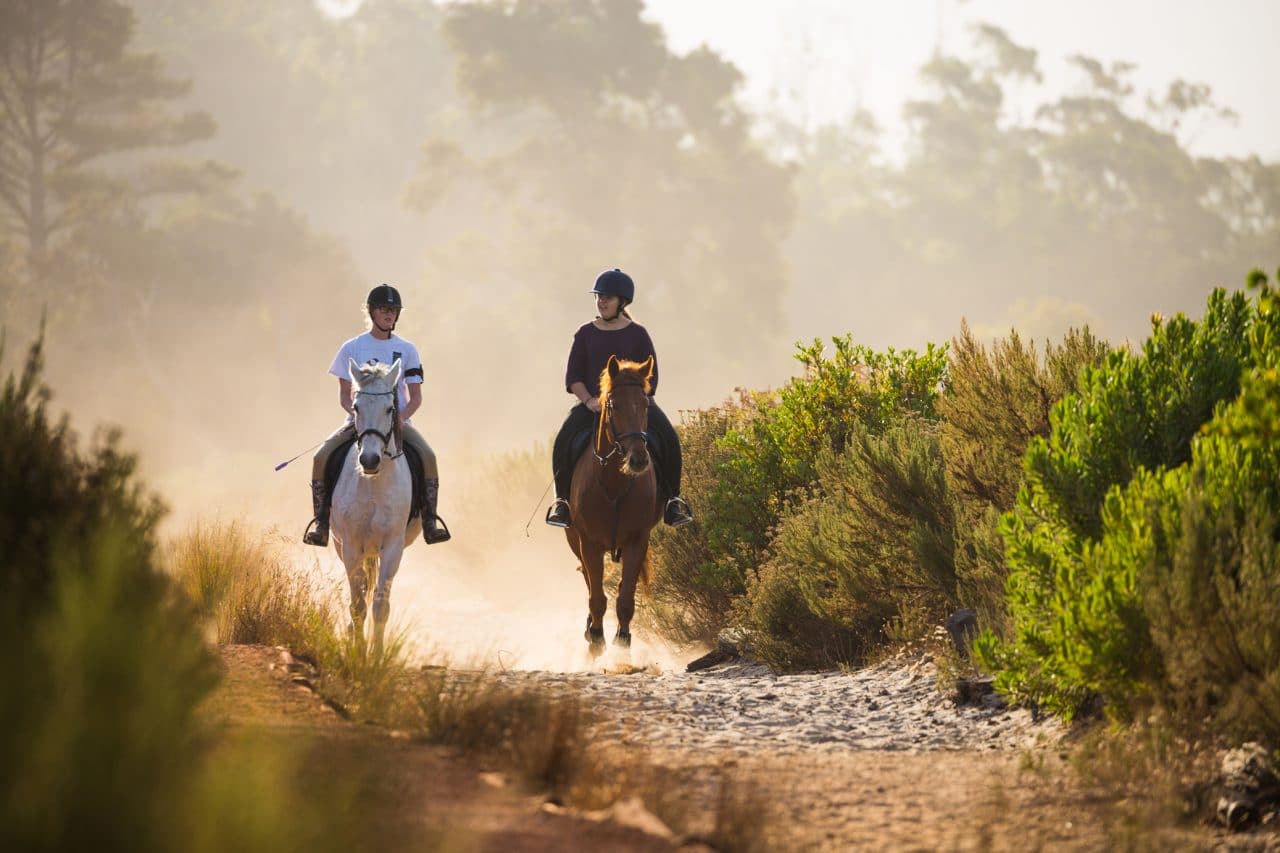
606	428
385	436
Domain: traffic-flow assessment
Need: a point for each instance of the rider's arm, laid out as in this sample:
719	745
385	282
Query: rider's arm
415	400
344	394
580	391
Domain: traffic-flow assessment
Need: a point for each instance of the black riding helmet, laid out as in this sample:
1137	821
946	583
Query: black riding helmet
615	282
384	296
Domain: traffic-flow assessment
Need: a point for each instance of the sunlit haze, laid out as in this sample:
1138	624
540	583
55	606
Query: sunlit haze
491	165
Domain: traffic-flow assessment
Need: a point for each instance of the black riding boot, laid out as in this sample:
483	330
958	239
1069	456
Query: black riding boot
670	464
434	530
320	506
580	418
677	512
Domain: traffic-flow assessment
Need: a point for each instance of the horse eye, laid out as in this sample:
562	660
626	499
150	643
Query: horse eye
390	410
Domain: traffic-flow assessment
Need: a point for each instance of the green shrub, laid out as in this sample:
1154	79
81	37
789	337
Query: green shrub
693	586
776	452
996	402
104	668
1079	540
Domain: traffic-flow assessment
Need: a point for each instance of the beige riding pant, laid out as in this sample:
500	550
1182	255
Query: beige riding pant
411	436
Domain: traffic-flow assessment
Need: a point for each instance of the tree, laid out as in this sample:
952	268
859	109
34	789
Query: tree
591	145
74	98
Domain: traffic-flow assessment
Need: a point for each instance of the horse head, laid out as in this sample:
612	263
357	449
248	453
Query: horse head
376	409
624	419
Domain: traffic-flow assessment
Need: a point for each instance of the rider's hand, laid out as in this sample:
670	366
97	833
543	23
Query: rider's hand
593	404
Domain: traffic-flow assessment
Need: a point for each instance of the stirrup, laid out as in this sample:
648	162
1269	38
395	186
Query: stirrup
319	536
559	519
435	535
677	513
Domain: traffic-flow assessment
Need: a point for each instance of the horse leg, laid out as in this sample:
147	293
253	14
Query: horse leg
392	552
633	556
593	571
358	583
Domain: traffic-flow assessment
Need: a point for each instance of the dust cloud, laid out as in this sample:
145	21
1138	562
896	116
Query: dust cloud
489	161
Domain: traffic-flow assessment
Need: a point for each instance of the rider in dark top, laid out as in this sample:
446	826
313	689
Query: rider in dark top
612	332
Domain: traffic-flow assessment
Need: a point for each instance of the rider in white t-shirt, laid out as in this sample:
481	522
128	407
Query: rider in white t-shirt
379	345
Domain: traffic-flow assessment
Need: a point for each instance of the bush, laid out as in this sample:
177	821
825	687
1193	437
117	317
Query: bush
996	402
693	585
104	668
1079	540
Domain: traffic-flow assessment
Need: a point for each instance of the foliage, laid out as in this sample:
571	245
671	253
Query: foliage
1085	204
997	401
776	452
1080	538
104	666
693	586
75	95
245	590
619	152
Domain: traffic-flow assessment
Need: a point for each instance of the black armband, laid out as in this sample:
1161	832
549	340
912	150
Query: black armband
413	371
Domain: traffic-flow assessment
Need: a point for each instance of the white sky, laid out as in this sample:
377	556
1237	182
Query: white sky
819	59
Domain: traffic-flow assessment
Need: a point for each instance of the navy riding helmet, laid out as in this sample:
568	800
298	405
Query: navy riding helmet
615	282
384	296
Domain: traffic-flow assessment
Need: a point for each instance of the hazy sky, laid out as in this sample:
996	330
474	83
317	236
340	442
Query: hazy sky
818	59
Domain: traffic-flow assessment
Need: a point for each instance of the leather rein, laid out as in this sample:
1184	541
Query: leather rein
385	436
606	429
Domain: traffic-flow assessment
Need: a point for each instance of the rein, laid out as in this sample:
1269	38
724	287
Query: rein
385	436
606	428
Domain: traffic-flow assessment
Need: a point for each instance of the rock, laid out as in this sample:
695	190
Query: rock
971	691
963	627
725	650
1251	786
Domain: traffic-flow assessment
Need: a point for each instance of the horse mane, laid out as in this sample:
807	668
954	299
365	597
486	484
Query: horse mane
629	373
373	371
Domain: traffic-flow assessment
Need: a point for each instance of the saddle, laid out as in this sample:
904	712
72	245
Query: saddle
338	459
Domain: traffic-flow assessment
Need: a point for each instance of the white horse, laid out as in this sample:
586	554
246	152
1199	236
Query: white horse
371	501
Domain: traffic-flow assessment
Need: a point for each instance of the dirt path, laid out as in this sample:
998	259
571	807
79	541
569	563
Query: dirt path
875	759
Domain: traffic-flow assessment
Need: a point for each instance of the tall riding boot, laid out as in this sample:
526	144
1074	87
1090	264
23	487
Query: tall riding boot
320	506
434	530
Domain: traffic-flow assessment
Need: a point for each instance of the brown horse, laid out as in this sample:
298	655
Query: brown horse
614	497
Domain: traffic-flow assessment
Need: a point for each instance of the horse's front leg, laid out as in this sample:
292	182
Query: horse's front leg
392	552
592	557
354	563
634	554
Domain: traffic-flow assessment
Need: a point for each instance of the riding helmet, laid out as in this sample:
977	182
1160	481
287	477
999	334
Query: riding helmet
615	282
384	296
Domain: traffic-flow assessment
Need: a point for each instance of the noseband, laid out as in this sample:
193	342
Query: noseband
385	436
607	424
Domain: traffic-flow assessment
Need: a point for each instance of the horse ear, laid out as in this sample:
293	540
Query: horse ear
648	367
353	370
393	375
613	367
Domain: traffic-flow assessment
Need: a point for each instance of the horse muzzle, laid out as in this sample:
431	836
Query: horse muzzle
370	462
637	461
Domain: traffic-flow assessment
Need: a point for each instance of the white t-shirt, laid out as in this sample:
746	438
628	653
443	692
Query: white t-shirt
367	350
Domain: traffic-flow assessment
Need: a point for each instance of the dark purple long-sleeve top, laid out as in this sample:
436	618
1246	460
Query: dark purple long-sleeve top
592	347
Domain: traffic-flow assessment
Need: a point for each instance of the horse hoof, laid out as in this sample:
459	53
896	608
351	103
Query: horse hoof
622	639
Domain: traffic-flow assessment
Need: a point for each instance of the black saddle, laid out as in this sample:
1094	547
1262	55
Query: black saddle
338	460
